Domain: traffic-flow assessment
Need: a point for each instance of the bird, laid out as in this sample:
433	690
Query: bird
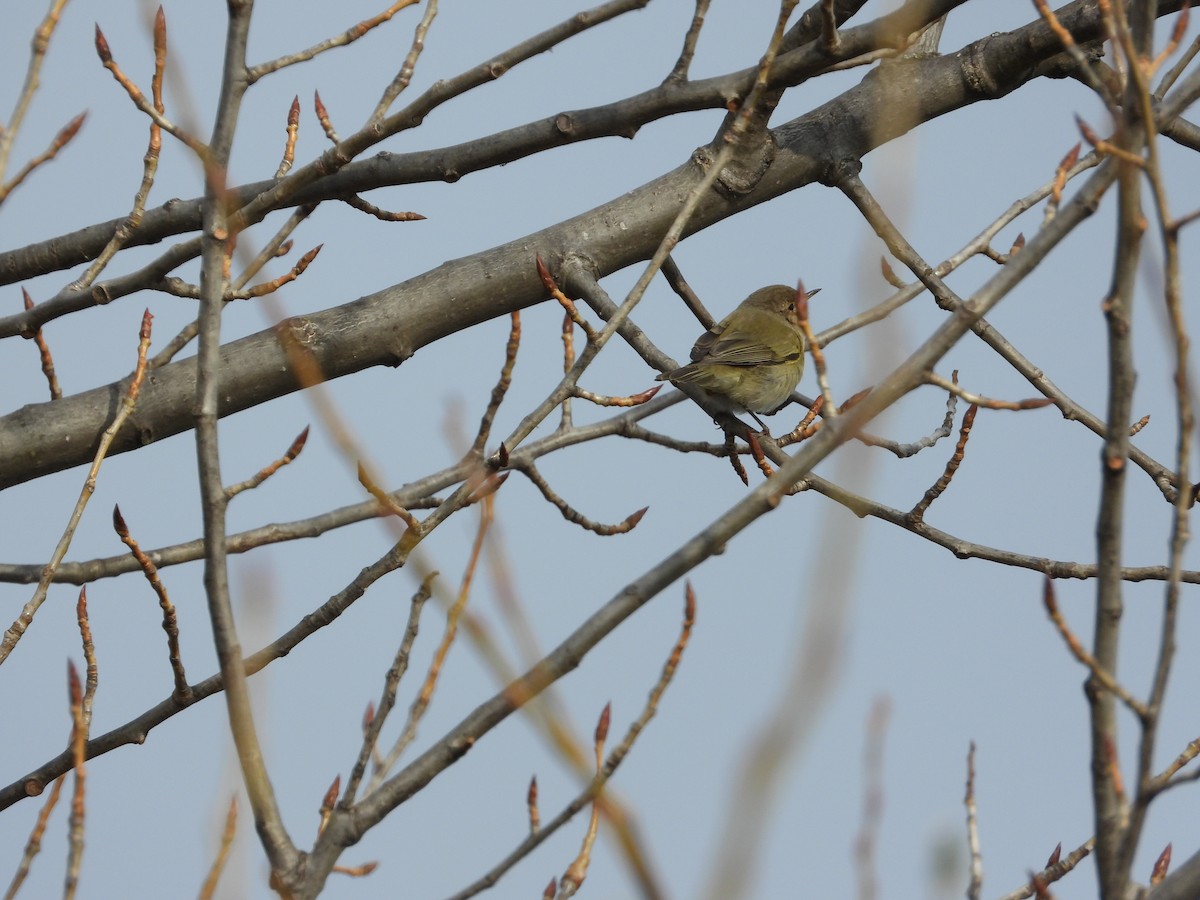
751	360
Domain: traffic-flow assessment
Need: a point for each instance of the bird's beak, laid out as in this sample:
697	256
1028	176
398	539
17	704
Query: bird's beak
812	293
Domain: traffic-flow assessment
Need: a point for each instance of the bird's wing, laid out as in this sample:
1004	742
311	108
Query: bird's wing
736	346
704	342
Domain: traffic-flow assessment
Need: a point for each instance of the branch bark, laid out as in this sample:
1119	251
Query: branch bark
388	327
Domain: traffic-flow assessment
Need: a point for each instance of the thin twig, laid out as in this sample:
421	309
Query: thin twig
179	288
917	514
270	469
61	140
500	389
277	246
573	878
33	846
209	888
356	202
953	387
37	55
216	251
679	285
975	884
139	100
1053	872
1100	674
872	812
133	221
170	623
387	699
349	36
531	804
529	470
679	72
293	130
543	831
44	353
421	704
1082	63
92	671
79	735
404	76
25	619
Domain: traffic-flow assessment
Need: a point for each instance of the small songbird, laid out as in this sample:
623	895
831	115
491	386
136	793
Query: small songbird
751	360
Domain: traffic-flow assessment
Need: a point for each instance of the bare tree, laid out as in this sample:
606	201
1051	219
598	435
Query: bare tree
886	78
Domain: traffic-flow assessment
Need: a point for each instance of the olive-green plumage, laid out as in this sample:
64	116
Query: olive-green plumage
752	359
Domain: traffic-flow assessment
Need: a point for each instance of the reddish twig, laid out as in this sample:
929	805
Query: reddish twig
180	288
531	804
567	303
125	231
61	140
807	426
289	147
1161	865
573	878
139	99
356	871
267	471
209	888
756	453
1108	148
327	803
323	118
1055	869
917	514
1003	258
631	400
170	623
38	47
1080	653
814	348
1060	182
664	679
889	274
386	500
735	460
44	353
